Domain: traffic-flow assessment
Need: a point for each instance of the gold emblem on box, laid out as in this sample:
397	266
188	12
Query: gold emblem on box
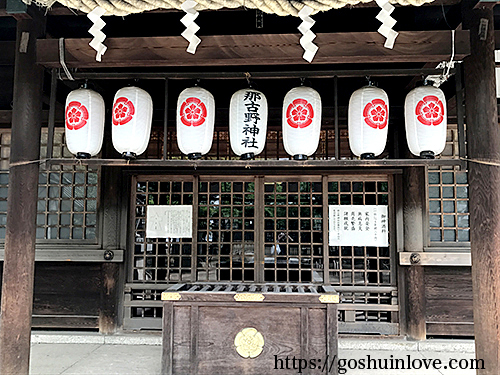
249	297
329	298
249	342
167	296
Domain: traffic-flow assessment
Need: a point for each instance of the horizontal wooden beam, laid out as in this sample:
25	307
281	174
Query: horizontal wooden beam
6	116
248	50
436	259
244	164
81	255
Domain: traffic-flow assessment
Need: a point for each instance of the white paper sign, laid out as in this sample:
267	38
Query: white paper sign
169	221
358	226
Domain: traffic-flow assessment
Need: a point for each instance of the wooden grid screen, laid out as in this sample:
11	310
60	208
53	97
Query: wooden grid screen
226	231
362	267
262	229
448	199
448	193
67	195
161	259
293	231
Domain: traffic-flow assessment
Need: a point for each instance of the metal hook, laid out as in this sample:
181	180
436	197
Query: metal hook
197	82
248	76
302	81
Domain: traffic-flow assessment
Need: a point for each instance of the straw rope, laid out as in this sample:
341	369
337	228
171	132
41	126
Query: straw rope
279	7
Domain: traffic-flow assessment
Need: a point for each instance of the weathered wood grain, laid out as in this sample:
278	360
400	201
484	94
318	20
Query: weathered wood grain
483	140
19	263
266	49
413	208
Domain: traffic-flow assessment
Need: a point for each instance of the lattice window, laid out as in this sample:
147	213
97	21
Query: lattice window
448	205
359	265
293	231
67	195
67	204
161	259
226	231
448	199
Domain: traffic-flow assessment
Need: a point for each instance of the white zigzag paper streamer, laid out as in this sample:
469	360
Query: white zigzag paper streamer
306	41
387	23
191	27
95	30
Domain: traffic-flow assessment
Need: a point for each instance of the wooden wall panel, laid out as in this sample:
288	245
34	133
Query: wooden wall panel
67	295
448	292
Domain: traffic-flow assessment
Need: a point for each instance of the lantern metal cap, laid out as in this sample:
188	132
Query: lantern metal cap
83	155
300	157
427	155
368	155
247	156
194	155
129	155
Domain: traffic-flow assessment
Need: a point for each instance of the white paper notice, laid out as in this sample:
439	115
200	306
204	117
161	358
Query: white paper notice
358	226
169	221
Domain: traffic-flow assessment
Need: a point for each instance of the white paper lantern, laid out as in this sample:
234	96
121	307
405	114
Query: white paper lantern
132	118
248	123
84	118
195	122
425	119
368	118
301	122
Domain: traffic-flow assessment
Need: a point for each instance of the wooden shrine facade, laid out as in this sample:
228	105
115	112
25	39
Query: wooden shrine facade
256	221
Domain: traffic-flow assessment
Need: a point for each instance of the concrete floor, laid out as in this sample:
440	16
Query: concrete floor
140	354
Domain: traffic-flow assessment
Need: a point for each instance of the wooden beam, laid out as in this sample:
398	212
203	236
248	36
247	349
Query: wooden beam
258	164
19	263
267	49
436	258
6	116
483	140
413	207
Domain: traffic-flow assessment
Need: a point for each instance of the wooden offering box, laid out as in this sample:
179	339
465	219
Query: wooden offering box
248	329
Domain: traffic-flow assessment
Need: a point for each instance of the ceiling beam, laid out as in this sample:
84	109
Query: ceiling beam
248	50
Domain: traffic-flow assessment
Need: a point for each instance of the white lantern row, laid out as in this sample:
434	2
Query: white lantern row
368	118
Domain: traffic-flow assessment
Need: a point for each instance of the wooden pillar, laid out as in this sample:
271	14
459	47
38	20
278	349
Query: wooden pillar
113	189
483	142
18	268
413	210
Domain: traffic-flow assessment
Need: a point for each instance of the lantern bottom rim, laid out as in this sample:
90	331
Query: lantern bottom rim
427	155
194	155
247	156
83	155
300	157
129	155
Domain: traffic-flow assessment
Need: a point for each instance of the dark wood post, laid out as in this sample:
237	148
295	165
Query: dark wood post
483	142
413	210
113	191
18	268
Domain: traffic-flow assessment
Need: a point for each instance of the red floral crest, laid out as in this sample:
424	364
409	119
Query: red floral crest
299	113
193	112
76	115
430	111
123	111
375	114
